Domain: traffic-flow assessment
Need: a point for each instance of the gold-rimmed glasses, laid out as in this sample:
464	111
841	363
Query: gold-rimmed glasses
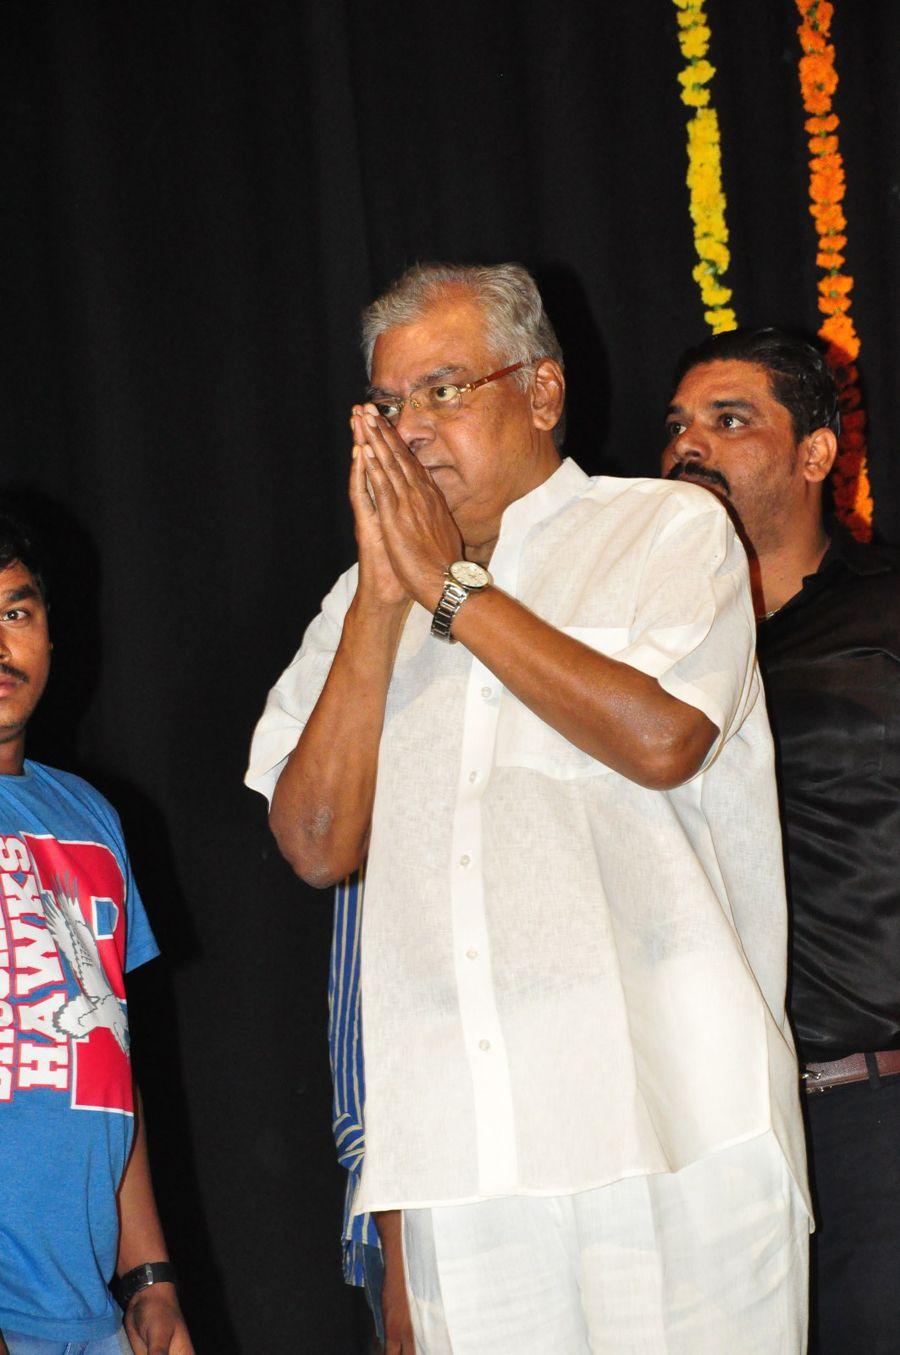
440	399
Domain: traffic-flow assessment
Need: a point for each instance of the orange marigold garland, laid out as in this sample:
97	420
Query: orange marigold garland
818	82
704	175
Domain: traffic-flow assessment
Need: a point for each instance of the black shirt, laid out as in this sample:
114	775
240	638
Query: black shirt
831	663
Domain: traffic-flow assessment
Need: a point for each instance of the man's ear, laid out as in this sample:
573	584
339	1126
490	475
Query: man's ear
548	394
817	453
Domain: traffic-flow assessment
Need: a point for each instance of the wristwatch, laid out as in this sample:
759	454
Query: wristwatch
141	1277
460	579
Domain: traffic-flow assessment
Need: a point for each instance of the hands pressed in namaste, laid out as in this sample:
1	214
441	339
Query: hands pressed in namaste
407	536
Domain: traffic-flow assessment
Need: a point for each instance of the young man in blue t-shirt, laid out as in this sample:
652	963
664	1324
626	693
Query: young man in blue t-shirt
76	1200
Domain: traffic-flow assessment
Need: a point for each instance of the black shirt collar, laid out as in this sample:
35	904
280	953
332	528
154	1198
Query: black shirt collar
845	555
845	551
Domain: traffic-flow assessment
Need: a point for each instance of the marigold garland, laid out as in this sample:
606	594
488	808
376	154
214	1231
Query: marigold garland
818	82
704	174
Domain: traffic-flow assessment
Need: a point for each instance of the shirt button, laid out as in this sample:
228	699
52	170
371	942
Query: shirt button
487	692
464	860
471	953
473	776
484	1044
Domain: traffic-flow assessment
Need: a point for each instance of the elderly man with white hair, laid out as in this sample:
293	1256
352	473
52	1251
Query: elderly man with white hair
533	705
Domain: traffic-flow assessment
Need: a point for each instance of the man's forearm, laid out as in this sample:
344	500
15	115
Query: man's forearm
153	1318
141	1236
611	711
394	1300
389	1223
322	806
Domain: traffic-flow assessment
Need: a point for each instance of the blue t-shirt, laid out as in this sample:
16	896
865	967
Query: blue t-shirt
71	924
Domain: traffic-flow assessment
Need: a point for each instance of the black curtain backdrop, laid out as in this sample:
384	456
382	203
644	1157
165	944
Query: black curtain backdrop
198	198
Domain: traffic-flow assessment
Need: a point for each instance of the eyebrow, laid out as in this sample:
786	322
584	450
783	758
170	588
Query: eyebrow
747	406
451	368
21	594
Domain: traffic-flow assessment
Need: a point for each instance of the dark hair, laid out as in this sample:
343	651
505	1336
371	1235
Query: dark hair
801	380
20	543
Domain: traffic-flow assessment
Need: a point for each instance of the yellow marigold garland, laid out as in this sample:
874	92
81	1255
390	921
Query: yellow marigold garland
818	82
704	175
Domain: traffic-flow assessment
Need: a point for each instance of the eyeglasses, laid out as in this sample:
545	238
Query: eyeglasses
440	400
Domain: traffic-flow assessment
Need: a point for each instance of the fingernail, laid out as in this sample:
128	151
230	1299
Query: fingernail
371	421
369	453
355	453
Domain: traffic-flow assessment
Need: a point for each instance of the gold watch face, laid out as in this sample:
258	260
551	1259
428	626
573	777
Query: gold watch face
470	575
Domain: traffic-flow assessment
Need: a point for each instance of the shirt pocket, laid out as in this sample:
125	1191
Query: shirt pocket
524	740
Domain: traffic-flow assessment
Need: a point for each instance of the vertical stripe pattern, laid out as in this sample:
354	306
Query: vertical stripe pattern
346	1056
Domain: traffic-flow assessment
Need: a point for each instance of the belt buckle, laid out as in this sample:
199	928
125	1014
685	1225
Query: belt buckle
815	1082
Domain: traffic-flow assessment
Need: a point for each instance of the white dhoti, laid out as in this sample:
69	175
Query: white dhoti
711	1260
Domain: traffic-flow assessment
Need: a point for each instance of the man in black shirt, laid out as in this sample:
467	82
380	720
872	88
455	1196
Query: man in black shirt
755	418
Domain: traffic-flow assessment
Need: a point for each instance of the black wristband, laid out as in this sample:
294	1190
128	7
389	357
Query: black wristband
141	1277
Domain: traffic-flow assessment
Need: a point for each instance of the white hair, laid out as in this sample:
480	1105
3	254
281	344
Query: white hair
517	327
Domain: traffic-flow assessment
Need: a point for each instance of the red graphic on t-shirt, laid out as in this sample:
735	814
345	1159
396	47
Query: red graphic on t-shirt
62	956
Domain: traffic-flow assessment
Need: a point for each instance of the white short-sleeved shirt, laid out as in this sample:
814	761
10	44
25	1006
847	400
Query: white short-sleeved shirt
567	979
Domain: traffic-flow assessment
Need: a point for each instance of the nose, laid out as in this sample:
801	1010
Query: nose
416	427
689	445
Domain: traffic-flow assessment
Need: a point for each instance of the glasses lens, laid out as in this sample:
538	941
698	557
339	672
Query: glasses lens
442	399
389	409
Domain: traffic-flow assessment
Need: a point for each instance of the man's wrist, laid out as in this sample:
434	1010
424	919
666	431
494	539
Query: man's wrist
369	621
140	1279
431	590
164	1293
462	580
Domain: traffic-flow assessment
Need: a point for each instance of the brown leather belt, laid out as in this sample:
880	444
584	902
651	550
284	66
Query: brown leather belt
821	1077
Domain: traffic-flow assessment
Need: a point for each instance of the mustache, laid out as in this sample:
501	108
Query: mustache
697	471
7	670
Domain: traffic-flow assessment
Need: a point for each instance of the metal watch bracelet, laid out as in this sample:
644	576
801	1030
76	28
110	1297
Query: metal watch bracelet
452	598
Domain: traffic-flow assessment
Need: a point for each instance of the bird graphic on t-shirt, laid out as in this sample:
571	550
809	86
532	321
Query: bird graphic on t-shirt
96	1004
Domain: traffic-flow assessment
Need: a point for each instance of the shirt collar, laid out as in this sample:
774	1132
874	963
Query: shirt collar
845	555
567	482
845	551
